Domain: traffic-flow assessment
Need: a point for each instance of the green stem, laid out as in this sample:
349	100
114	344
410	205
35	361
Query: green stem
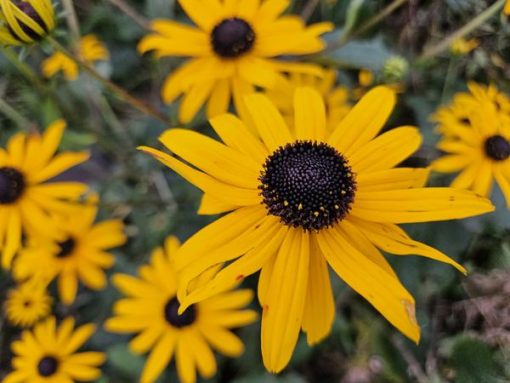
123	94
72	20
465	30
24	69
388	10
14	115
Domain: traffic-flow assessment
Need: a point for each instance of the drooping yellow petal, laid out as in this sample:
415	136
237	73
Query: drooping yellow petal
283	313
381	289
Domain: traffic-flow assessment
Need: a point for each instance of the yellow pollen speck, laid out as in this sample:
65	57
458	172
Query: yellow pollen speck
322	208
343	192
337	207
285	203
316	213
300	206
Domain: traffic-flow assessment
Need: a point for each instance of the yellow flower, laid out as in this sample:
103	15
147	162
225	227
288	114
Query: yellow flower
233	51
27	303
478	147
336	98
90	50
150	310
27	202
506	10
25	21
79	255
462	46
48	354
302	201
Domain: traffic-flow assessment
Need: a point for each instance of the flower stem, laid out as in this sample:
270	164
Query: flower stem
72	20
388	10
131	13
466	29
123	94
14	115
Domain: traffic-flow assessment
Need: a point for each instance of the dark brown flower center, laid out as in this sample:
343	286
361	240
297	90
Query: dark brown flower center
232	37
172	316
47	366
307	184
12	185
66	247
497	148
28	10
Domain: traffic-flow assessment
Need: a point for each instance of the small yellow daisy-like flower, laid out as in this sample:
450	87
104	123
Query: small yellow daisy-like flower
80	255
233	51
336	98
479	148
454	117
27	202
48	354
27	303
90	50
462	46
25	21
151	311
305	199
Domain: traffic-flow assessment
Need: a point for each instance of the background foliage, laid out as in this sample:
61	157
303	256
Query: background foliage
465	321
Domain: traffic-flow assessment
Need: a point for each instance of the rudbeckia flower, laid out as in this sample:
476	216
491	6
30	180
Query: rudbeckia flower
302	201
79	256
478	147
89	49
48	354
233	50
25	21
27	202
150	311
336	98
27	303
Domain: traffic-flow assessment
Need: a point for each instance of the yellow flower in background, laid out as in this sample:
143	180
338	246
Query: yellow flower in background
336	98
48	354
27	202
150	311
89	49
79	256
506	10
233	51
27	303
25	21
302	201
479	148
462	46
452	119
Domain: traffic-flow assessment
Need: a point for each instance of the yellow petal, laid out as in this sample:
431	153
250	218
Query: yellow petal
310	114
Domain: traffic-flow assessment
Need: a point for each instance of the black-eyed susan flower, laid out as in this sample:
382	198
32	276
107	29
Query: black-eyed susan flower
27	303
478	146
150	311
78	256
25	21
454	117
27	202
336	97
49	354
90	49
302	201
233	50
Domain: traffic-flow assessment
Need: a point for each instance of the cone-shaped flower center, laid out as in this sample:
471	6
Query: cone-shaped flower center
12	185
47	366
172	316
28	10
232	37
307	184
497	148
66	247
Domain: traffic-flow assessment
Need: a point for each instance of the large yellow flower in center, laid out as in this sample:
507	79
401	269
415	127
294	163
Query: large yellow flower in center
304	200
232	49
